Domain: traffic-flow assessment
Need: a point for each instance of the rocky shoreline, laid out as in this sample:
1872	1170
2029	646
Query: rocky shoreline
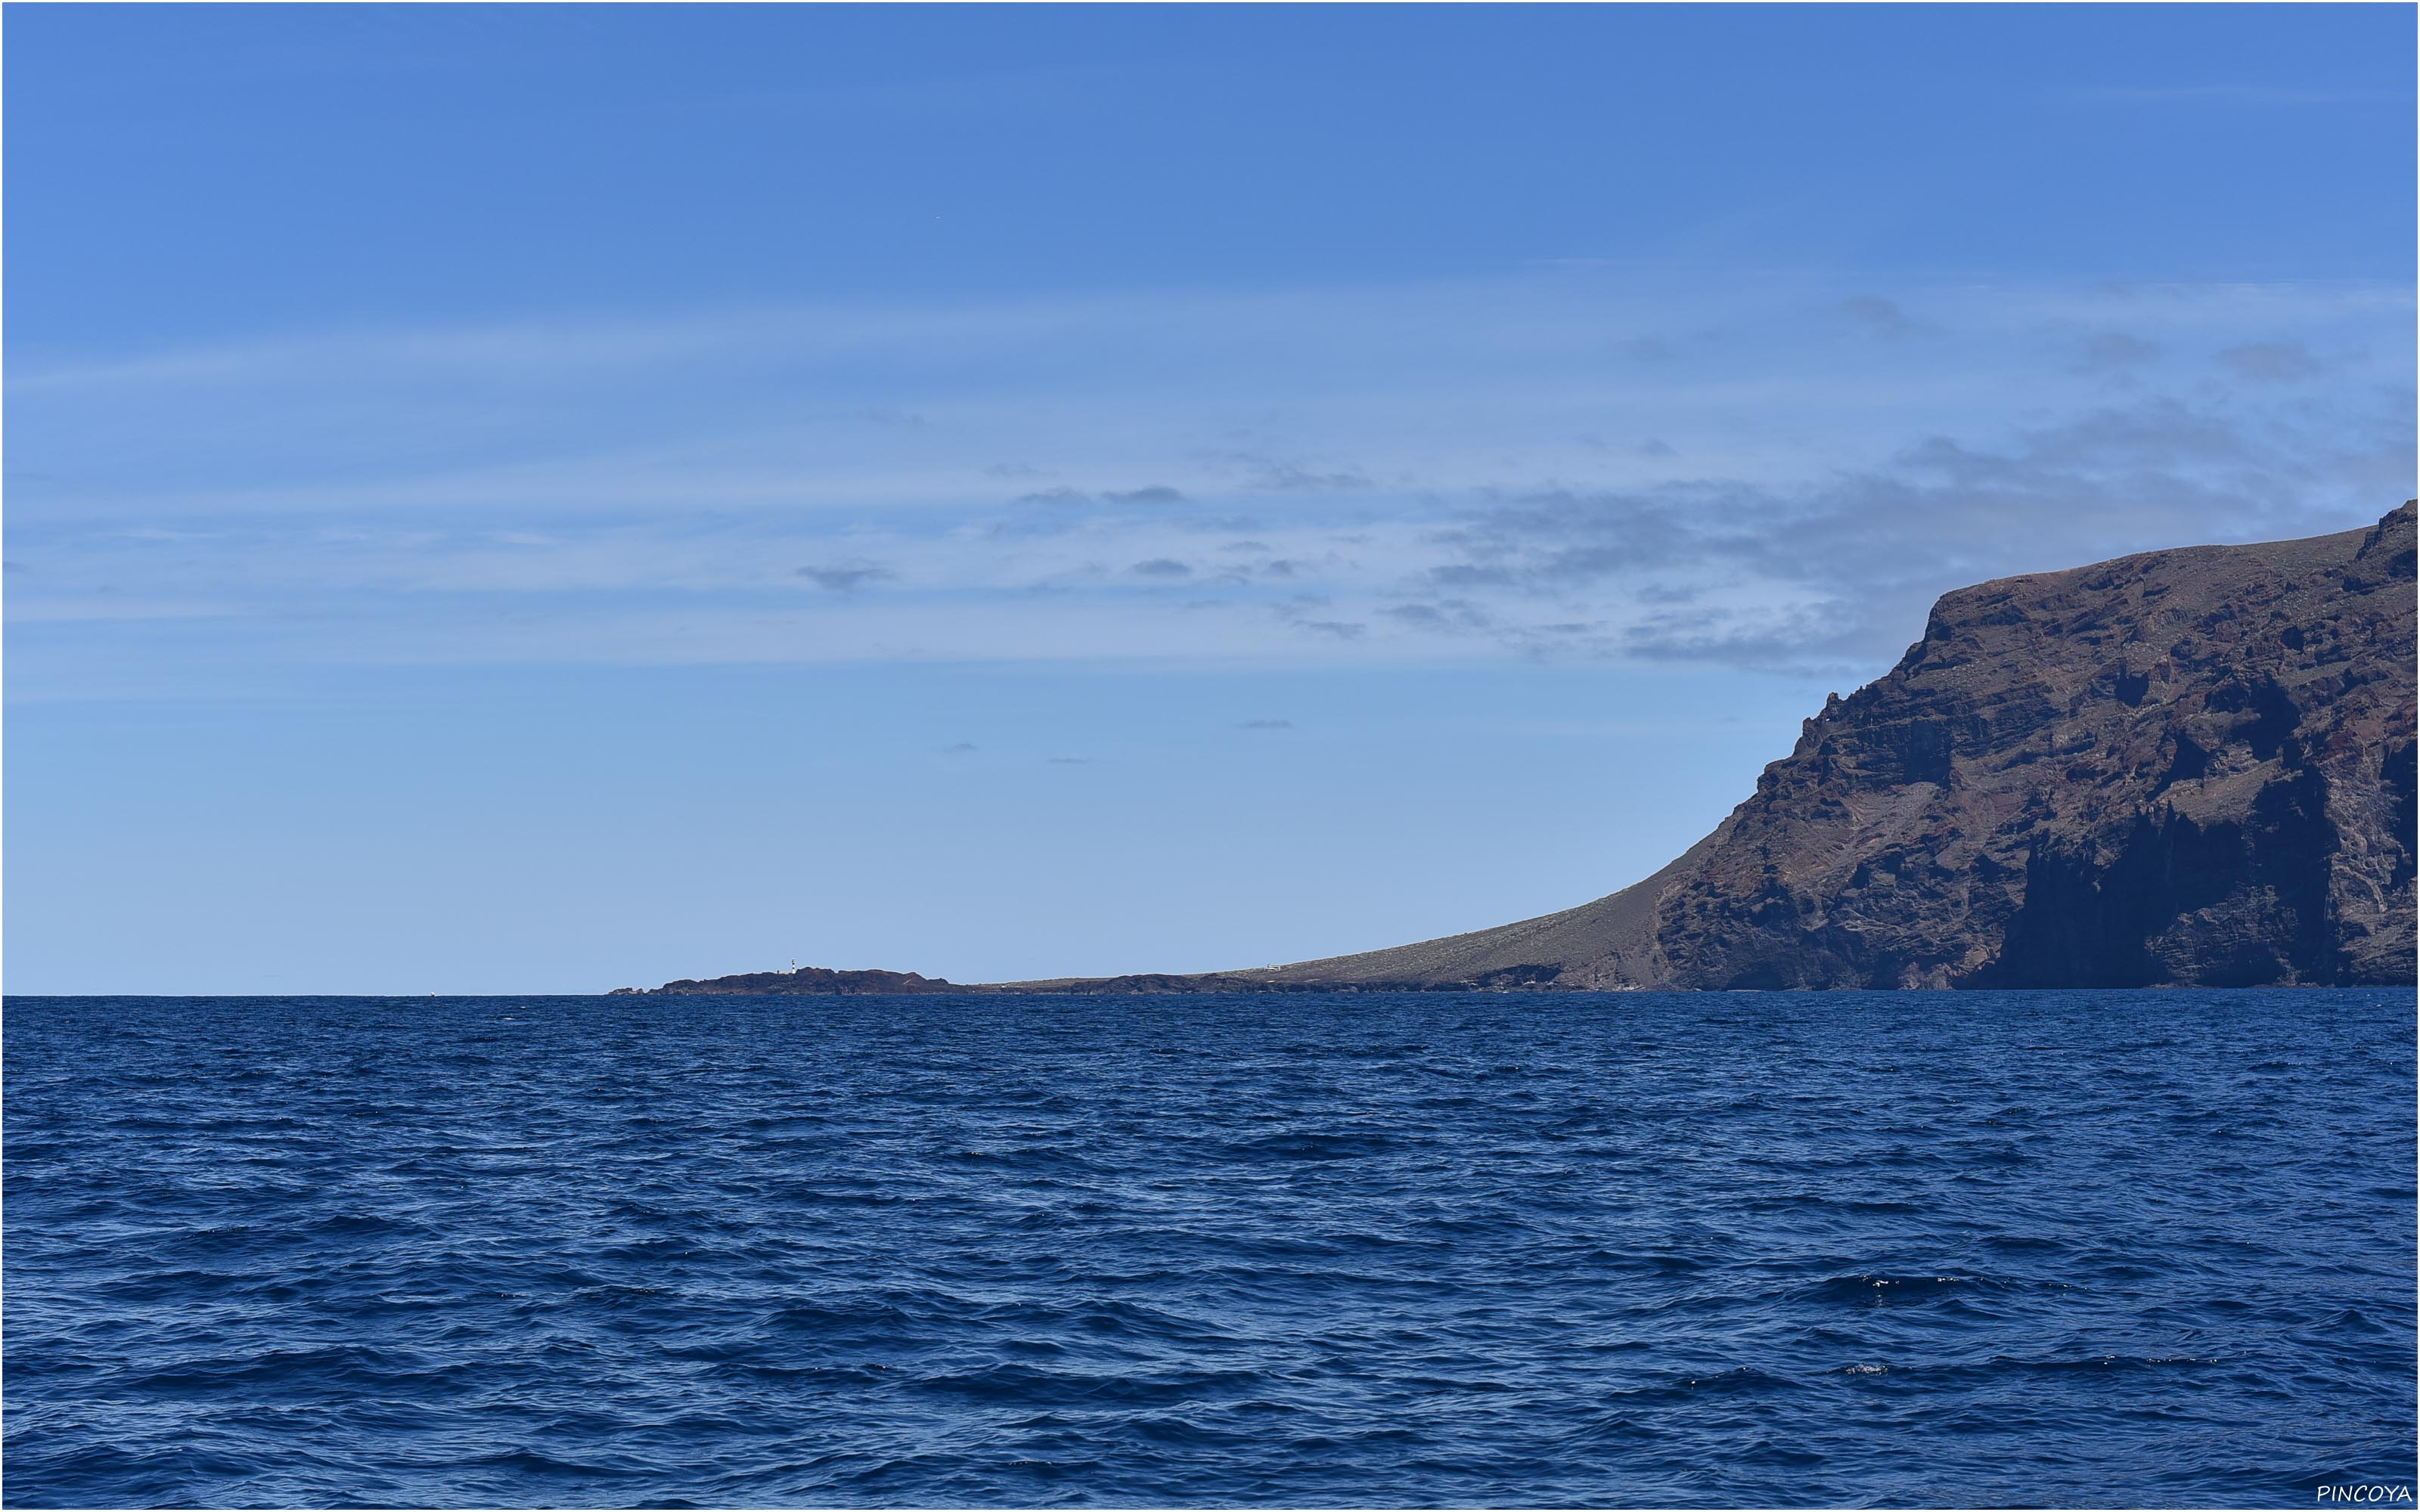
2190	767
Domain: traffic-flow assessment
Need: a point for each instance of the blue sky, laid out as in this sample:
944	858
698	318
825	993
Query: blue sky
545	499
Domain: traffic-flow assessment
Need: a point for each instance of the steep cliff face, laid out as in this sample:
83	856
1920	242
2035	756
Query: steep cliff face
2190	766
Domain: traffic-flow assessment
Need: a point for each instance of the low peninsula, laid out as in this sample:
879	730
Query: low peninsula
2190	767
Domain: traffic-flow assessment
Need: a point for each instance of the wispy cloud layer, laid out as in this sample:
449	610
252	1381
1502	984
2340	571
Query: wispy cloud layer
1580	462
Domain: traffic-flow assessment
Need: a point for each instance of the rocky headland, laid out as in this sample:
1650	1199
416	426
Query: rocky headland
805	981
2190	767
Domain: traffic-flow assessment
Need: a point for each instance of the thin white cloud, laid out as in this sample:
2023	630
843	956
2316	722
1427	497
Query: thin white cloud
1411	473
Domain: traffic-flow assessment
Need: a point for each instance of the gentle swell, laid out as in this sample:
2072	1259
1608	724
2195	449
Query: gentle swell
2084	1248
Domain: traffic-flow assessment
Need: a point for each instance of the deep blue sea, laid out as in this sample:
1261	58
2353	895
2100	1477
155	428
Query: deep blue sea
2083	1248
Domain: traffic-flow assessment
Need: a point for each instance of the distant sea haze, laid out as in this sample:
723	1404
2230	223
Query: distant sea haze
1467	1249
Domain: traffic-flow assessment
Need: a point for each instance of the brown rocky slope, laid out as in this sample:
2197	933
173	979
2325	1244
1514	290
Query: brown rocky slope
2187	768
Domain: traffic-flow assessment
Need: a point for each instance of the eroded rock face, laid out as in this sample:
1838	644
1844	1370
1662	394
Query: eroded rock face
2190	766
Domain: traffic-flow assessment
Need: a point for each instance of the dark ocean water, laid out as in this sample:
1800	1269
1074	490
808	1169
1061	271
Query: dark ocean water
1899	1248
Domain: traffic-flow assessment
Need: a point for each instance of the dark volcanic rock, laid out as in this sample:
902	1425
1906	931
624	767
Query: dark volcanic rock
2188	766
2185	767
807	982
2182	767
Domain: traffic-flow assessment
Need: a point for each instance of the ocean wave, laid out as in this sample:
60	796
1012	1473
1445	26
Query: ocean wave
1538	1249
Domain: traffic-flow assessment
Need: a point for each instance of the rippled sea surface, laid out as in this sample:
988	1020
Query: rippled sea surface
2141	1248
